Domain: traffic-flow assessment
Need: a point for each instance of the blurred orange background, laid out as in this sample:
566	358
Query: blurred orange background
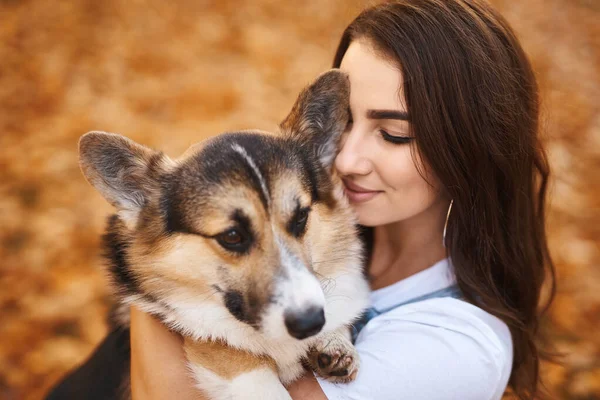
168	74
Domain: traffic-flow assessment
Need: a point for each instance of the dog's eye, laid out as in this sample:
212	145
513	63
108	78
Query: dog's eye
302	216
298	223
234	240
232	237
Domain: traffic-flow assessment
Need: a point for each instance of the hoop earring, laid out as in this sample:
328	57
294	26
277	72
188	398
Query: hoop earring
446	224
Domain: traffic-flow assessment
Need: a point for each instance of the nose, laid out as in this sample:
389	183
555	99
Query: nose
306	323
353	157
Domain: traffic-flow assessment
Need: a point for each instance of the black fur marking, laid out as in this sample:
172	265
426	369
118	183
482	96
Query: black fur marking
221	162
170	207
116	246
243	222
310	168
244	311
324	360
104	375
235	304
340	372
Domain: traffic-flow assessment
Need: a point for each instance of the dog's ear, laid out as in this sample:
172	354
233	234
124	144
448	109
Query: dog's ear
124	172
320	115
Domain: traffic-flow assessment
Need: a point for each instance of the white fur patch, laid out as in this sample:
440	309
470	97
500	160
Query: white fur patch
297	290
263	184
129	216
299	287
345	295
201	320
258	384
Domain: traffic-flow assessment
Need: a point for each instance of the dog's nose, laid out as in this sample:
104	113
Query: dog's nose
305	323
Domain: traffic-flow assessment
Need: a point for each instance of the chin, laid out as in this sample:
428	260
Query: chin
372	219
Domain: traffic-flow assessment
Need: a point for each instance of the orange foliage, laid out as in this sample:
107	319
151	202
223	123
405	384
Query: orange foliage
171	73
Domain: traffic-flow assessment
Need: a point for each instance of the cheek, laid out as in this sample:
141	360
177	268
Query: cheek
407	192
179	260
410	180
400	172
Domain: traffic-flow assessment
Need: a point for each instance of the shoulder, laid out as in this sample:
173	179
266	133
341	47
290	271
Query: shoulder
450	326
449	317
436	349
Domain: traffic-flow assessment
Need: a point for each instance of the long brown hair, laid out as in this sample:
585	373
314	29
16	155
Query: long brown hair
473	104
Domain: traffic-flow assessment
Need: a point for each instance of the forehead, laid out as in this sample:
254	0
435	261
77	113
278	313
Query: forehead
376	83
250	159
240	172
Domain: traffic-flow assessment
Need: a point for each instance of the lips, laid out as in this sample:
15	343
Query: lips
358	194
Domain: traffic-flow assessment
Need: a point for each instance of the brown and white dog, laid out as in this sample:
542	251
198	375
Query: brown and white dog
245	245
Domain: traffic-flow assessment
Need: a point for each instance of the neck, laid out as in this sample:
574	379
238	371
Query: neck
403	248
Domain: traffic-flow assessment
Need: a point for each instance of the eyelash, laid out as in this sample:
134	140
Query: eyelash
395	139
389	138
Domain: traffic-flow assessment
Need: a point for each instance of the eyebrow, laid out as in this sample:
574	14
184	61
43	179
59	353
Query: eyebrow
387	114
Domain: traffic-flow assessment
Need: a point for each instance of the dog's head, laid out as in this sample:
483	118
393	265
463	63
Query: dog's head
246	225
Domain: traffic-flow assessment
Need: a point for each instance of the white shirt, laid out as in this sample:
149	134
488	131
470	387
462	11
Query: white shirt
436	349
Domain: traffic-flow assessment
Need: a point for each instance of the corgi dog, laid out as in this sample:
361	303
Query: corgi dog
245	245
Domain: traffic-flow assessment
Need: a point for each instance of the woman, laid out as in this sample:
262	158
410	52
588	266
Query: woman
442	163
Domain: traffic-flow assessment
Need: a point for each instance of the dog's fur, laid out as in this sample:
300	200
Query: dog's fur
244	233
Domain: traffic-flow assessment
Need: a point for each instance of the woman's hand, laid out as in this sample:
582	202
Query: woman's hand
158	365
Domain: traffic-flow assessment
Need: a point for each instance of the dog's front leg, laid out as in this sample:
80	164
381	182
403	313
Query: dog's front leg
225	373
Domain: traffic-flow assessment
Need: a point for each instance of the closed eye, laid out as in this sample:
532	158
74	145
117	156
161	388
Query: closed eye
374	114
395	139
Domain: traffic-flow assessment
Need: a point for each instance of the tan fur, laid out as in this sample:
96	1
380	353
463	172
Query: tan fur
287	187
182	262
224	360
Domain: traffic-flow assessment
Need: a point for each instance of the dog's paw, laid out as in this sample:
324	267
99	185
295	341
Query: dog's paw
334	358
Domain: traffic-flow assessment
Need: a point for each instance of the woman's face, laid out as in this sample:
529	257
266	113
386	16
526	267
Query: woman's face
375	160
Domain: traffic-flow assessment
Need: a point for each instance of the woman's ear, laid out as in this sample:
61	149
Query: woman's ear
320	115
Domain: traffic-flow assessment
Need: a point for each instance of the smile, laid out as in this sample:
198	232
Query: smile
358	194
